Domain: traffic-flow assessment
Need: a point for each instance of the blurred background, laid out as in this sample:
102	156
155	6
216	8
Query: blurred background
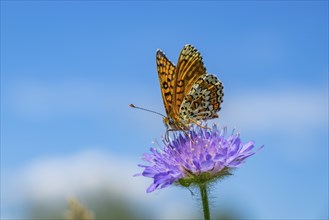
69	69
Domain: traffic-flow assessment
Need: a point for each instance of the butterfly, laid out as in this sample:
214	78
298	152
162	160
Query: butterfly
190	95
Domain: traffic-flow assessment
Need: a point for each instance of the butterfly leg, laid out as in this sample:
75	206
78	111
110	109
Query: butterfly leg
167	139
187	135
195	122
180	129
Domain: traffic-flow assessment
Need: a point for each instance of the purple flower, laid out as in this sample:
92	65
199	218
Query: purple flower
204	156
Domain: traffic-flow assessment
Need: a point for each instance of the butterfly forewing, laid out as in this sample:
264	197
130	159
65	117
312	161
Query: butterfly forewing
203	100
189	68
166	73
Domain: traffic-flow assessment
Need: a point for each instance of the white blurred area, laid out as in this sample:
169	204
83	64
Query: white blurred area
283	108
103	183
288	108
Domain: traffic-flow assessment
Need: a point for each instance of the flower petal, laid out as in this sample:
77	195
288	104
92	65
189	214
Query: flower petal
189	156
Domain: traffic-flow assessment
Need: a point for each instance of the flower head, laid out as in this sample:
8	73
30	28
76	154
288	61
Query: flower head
204	155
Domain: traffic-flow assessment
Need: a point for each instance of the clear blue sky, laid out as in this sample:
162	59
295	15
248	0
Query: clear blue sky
70	69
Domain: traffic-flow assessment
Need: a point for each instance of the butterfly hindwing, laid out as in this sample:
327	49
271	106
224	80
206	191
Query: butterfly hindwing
166	73
203	100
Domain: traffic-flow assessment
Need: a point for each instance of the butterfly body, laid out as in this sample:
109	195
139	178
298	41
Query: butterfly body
189	93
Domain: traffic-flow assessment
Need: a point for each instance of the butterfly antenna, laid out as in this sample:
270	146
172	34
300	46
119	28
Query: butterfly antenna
133	106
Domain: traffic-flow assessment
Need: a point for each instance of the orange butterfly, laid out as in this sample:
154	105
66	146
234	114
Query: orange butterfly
190	95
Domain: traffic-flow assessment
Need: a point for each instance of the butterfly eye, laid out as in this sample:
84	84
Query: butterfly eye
171	121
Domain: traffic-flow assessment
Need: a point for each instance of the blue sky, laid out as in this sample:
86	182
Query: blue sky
70	69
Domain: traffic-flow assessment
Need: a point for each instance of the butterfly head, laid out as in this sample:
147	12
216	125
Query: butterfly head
169	123
173	125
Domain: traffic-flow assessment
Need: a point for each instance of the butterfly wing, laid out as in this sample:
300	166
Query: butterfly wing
203	101
189	69
166	73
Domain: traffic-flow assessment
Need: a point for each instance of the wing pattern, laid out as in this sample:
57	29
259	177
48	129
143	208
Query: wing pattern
203	101
189	68
166	73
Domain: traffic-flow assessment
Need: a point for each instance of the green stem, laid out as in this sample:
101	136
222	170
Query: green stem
205	204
